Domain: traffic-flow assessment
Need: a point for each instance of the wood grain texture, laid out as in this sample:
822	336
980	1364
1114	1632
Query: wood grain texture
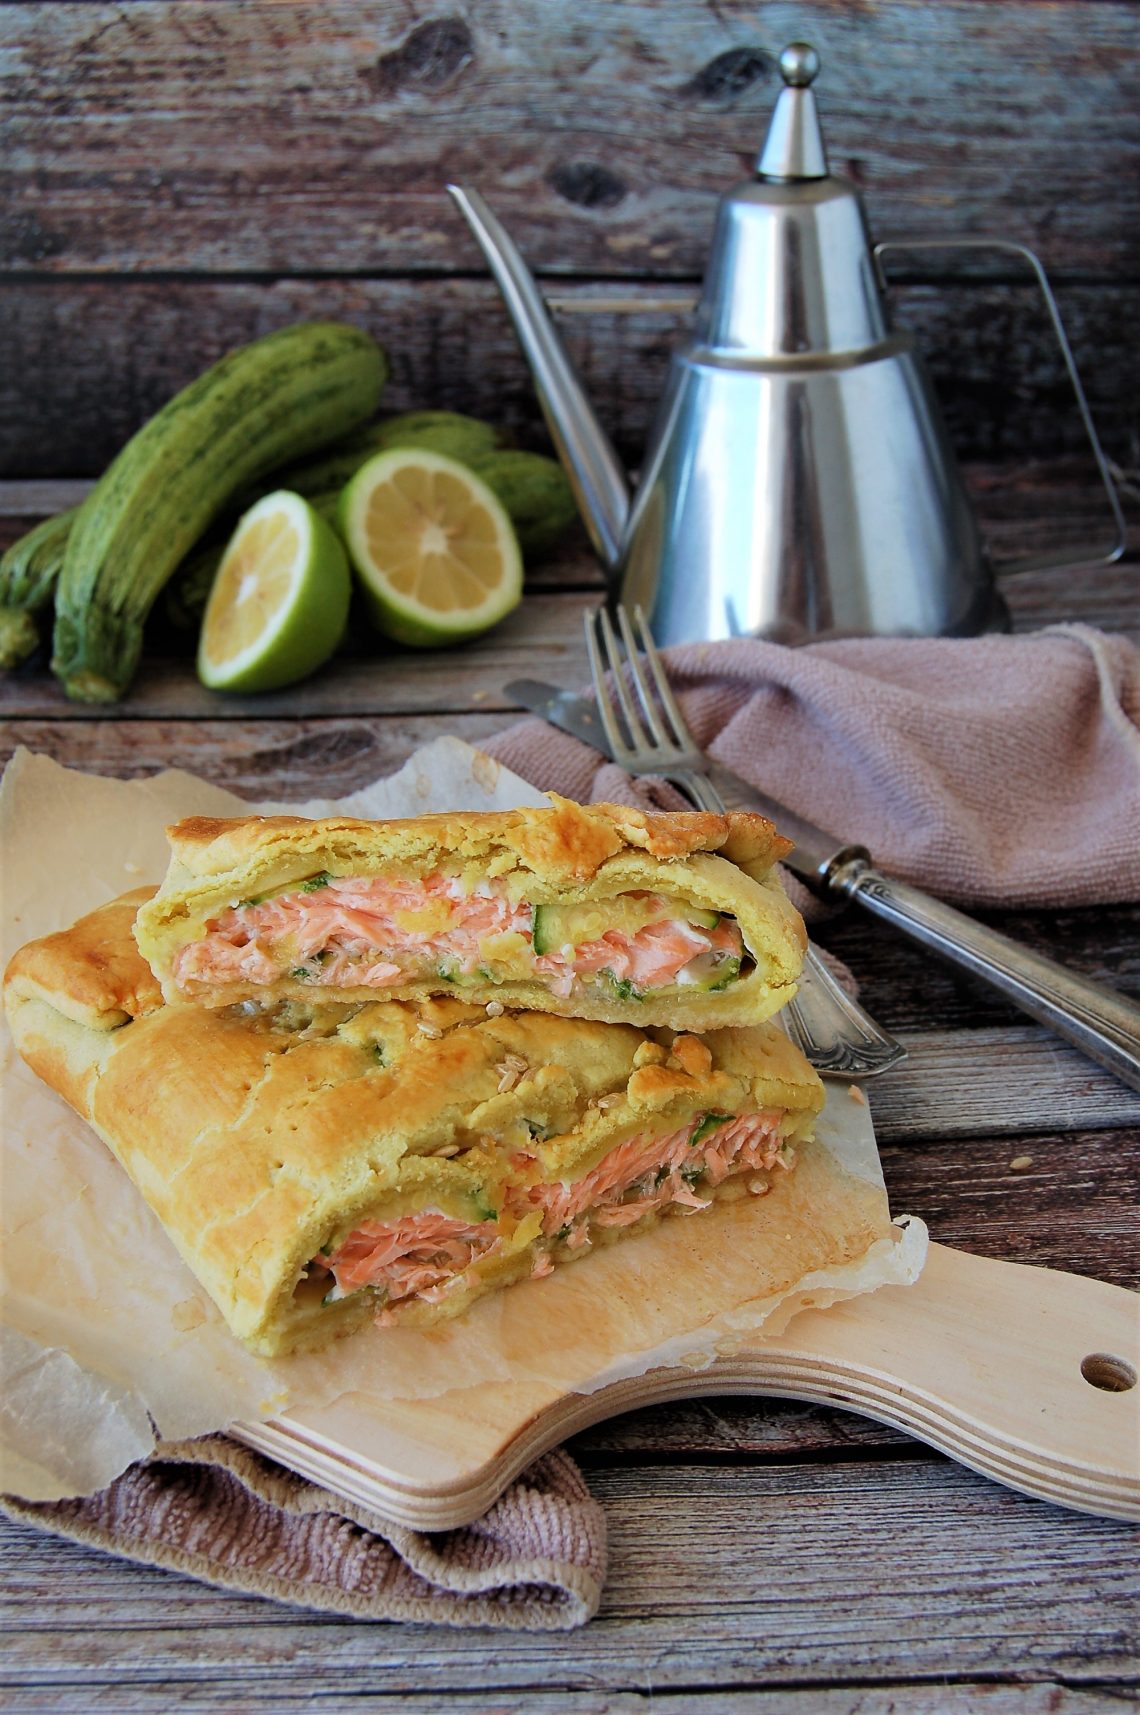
318	137
83	363
767	1556
997	1082
211	1698
902	983
1071	1208
543	637
255	758
886	1573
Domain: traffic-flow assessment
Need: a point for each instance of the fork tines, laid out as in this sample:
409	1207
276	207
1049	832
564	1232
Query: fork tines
651	735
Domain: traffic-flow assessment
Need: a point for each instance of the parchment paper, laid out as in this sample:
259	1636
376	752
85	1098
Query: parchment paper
107	1340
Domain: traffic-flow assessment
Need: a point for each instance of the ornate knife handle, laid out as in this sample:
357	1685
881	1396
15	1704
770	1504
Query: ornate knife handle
1103	1024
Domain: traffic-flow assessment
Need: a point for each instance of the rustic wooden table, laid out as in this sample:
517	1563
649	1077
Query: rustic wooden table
765	1555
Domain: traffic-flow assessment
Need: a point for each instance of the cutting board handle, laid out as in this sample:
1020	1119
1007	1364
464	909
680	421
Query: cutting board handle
1026	1374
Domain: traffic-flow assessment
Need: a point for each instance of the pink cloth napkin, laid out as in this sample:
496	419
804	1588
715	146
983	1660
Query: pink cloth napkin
535	1561
989	771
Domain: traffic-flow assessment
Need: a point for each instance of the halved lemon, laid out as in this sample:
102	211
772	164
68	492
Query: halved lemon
434	550
279	602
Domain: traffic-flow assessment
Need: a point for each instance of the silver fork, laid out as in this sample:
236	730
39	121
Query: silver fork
651	737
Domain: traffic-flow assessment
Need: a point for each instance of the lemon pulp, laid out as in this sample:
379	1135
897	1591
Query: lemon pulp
432	545
279	602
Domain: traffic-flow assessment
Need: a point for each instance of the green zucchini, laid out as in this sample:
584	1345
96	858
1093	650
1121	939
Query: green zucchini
546	927
28	575
279	398
706	1125
536	493
727	971
449	432
185	596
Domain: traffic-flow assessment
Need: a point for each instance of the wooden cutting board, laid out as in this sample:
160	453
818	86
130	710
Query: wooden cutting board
1027	1375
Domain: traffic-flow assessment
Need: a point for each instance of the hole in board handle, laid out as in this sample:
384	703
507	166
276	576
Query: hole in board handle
1109	1373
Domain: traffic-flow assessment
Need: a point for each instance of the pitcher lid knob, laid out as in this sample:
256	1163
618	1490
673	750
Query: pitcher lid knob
794	147
799	65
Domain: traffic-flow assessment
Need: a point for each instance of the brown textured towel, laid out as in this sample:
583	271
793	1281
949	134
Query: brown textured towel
535	1561
989	770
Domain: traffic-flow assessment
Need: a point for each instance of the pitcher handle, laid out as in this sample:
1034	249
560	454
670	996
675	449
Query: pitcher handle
1034	562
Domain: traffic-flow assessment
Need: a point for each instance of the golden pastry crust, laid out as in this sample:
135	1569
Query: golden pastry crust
568	853
93	972
260	1144
566	841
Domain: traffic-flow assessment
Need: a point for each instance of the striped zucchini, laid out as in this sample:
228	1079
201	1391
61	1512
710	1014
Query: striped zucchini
462	438
29	571
281	397
535	491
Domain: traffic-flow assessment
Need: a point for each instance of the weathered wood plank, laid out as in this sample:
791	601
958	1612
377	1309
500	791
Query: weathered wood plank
542	637
732	1430
719	1578
1108	598
256	758
84	363
1072	1207
996	1082
305	137
1040	1698
1039	506
902	983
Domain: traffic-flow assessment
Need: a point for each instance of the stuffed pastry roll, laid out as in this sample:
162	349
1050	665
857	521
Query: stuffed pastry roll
322	1169
598	912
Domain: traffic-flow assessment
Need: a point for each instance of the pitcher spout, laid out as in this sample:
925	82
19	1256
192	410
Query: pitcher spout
587	454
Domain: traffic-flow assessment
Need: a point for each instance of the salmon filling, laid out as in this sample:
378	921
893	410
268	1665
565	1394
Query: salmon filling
423	1255
379	932
408	1258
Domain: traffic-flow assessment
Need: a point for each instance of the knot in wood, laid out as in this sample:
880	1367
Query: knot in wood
588	184
429	58
728	75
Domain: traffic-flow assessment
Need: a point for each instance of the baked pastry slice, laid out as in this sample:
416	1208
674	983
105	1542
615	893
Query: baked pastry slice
589	912
321	1169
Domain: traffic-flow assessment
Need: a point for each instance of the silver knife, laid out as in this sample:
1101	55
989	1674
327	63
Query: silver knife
1105	1025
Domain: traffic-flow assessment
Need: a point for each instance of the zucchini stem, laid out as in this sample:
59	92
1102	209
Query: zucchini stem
19	636
95	657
